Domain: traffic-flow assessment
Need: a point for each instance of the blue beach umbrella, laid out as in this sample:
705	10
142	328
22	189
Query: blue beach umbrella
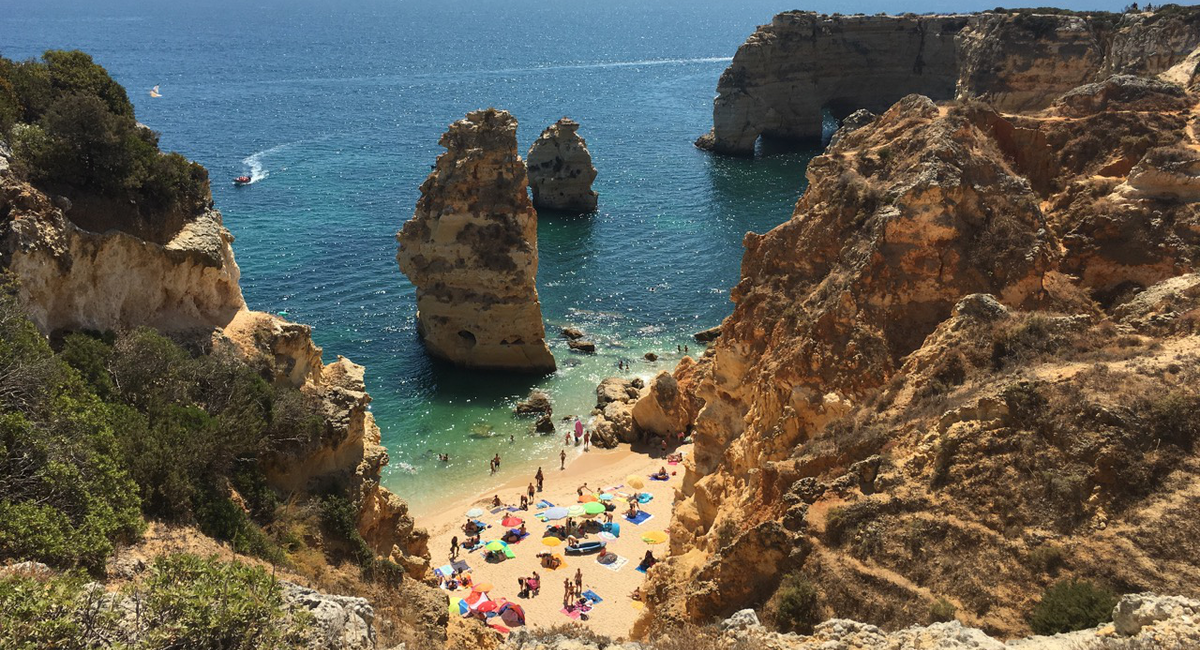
556	513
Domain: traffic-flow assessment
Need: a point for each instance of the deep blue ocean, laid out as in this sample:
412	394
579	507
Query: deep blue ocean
336	109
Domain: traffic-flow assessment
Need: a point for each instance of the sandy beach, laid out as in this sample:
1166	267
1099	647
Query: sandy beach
600	470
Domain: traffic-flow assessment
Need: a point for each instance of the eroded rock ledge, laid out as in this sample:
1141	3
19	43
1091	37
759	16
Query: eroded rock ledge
471	251
788	72
560	169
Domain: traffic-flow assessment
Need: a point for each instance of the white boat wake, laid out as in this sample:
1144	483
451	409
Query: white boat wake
255	161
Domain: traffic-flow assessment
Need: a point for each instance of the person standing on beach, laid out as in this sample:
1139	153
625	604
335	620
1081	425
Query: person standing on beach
587	438
566	593
539	477
567	439
454	548
562	459
531	492
496	460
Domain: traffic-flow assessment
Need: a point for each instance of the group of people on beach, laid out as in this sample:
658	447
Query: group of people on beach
580	436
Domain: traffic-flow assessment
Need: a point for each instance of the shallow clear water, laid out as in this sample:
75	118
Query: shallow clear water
337	111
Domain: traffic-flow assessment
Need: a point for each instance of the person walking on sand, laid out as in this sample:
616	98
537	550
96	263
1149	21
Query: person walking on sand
566	593
539	477
579	581
454	547
562	459
587	439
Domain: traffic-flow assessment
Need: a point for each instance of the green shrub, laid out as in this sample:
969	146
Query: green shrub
799	607
58	612
1071	605
942	610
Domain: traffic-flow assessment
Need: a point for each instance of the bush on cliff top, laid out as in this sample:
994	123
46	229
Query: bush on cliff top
184	602
799	606
1071	605
73	130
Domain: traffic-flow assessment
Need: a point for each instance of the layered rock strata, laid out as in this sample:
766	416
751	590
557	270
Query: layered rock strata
73	279
560	169
787	72
470	250
938	356
784	76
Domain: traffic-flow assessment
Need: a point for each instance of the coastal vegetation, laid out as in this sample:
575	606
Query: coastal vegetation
72	131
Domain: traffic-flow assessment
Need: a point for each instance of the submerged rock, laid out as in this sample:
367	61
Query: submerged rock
560	169
537	402
580	345
471	251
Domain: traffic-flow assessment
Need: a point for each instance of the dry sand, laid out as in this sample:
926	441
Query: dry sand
598	469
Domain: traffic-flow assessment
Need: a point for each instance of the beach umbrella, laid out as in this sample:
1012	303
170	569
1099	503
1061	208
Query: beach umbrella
635	482
587	498
593	508
513	614
557	513
654	537
606	497
512	522
494	545
551	541
575	511
482	587
607	535
475	512
455	606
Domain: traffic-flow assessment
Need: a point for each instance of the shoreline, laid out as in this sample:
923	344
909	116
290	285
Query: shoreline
598	469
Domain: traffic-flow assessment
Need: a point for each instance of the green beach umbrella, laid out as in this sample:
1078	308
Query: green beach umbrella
575	511
593	508
494	545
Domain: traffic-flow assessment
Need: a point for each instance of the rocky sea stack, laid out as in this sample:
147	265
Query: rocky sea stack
471	251
560	169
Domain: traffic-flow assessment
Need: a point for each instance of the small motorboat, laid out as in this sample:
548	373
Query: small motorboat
242	180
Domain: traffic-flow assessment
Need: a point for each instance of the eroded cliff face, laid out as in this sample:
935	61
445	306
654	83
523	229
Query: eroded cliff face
74	279
787	72
560	169
934	377
1024	62
471	251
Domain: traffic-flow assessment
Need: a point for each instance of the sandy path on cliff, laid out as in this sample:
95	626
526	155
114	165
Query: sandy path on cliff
598	469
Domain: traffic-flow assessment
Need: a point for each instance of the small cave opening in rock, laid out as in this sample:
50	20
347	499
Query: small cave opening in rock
467	338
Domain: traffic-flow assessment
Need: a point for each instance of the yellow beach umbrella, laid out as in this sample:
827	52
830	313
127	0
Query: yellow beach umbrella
575	511
635	482
454	608
551	541
654	537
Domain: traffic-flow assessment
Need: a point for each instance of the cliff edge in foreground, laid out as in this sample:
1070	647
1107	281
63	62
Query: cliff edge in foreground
471	251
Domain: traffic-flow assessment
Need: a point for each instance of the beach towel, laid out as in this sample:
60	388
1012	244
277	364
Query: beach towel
572	614
637	604
496	510
659	478
640	568
544	504
613	488
499	628
616	566
444	571
520	537
591	595
641	518
513	508
461	565
645	497
562	562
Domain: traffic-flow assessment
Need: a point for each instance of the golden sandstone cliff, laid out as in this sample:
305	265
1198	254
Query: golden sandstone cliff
471	251
964	369
788	72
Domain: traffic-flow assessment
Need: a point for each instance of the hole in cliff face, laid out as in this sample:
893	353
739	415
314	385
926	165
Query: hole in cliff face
467	338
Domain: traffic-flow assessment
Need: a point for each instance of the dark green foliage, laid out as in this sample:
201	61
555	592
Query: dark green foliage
184	602
942	610
72	128
340	519
799	606
64	493
1071	605
1046	559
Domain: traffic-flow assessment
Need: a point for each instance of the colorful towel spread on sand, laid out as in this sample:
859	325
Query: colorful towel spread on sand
616	565
570	613
591	595
640	569
496	510
641	518
461	565
444	571
637	604
658	478
544	504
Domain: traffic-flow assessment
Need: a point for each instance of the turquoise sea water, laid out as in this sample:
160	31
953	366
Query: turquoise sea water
336	109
